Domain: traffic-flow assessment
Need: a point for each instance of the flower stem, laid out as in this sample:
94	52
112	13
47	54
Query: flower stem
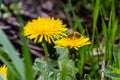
73	68
46	51
72	54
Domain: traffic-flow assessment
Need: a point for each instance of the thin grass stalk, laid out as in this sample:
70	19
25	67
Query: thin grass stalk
25	50
66	9
28	60
97	43
105	34
103	11
112	28
18	13
81	61
108	46
95	17
95	34
77	20
115	23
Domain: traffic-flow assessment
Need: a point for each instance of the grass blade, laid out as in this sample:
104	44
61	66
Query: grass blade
12	53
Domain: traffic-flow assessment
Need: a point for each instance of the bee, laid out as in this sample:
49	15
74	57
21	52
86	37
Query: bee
74	34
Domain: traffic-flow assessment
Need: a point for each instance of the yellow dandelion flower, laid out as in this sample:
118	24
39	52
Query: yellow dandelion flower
74	40
3	70
44	28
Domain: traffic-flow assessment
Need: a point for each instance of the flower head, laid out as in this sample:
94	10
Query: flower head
44	28
3	70
74	40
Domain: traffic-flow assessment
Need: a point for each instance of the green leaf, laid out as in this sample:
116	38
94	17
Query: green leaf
65	64
12	53
46	72
63	53
42	70
112	75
